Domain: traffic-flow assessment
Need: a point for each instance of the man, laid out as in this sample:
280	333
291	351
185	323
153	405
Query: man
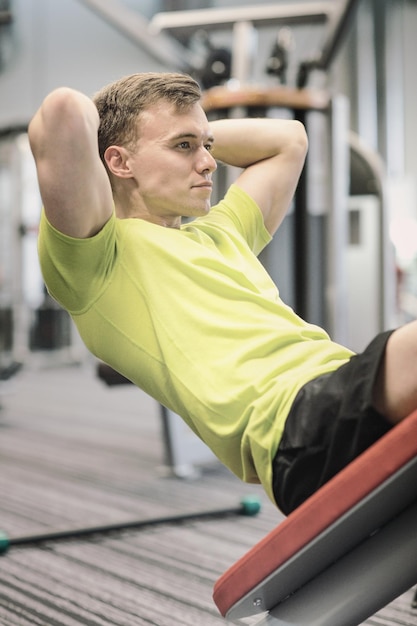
186	311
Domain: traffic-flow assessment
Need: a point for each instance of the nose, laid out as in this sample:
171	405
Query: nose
206	162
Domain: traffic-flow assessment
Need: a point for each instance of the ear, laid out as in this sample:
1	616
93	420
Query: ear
117	160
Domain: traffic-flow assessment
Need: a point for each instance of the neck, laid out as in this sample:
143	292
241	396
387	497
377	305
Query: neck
128	209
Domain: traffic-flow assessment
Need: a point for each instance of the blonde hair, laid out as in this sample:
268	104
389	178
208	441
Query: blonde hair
120	103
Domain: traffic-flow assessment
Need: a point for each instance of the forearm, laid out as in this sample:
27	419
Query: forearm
243	142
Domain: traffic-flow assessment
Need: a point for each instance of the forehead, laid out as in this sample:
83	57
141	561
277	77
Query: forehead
164	121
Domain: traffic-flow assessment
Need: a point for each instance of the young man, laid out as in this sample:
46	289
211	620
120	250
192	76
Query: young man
186	311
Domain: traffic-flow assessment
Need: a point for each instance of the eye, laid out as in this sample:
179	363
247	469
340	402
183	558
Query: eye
184	145
209	147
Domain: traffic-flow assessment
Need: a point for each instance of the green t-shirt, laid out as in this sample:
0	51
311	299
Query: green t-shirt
192	317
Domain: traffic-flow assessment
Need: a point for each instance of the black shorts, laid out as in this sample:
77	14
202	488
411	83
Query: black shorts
331	422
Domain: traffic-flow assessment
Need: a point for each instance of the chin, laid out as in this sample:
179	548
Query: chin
199	211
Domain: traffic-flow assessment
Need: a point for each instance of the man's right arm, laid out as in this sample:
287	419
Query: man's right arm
73	182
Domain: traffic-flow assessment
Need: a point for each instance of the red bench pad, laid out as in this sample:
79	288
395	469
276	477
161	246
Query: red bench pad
354	483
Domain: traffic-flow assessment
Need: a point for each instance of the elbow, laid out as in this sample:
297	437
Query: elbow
300	139
63	102
63	111
297	145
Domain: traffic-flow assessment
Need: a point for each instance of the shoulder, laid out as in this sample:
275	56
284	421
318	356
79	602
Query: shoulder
239	211
74	268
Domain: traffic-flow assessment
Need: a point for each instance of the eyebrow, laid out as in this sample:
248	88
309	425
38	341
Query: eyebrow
210	137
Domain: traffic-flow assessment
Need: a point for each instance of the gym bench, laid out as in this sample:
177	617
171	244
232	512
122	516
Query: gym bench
345	553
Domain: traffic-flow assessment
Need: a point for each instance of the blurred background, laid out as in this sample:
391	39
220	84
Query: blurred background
74	452
346	255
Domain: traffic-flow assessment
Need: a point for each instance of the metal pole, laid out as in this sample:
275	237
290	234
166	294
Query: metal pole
301	238
337	235
248	506
295	13
244	51
339	25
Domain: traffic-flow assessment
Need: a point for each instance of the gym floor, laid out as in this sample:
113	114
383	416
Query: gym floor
75	453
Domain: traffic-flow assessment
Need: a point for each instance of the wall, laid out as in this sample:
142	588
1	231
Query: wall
56	43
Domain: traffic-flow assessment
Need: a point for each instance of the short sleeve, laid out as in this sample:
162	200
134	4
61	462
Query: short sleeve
76	271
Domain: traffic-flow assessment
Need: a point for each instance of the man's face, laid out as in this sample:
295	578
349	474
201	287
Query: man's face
172	164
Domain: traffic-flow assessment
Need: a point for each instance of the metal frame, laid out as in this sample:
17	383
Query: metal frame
158	36
358	585
337	227
339	25
386	276
356	558
260	15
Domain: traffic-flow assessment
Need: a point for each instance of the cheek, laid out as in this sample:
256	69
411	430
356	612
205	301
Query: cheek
160	175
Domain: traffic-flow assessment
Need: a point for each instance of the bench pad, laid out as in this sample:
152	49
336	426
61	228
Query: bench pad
373	489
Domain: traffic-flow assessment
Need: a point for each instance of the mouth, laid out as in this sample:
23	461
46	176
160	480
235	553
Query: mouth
206	185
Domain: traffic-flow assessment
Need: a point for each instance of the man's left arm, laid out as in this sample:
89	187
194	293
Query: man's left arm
271	153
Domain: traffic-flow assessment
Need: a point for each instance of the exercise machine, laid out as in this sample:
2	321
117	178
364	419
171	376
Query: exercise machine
344	554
